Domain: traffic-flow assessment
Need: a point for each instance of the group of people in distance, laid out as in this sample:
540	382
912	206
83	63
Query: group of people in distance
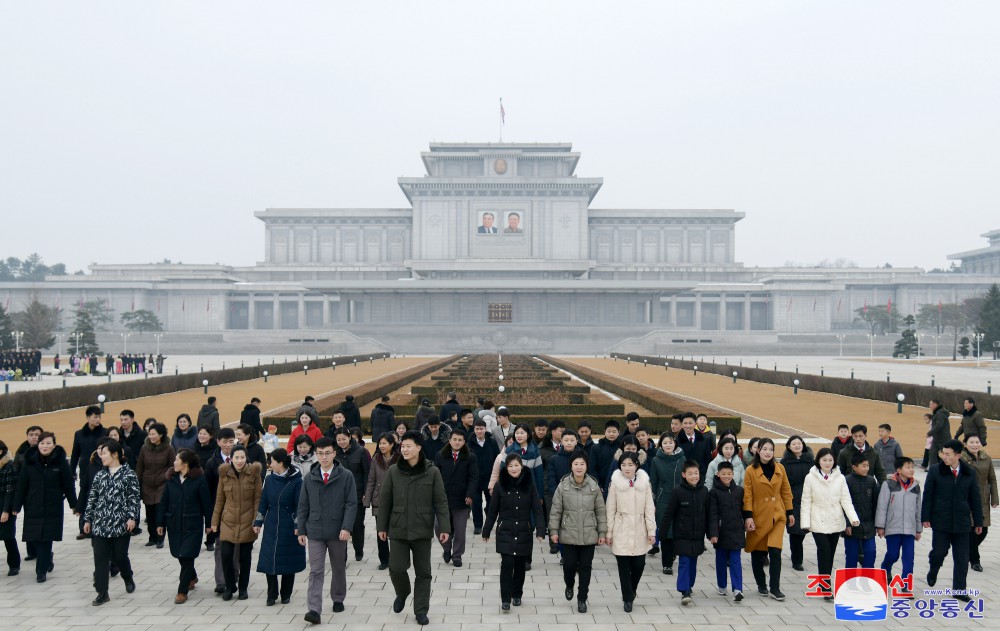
20	365
216	488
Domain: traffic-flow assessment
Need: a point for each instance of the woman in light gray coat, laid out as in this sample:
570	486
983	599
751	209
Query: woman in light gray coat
579	521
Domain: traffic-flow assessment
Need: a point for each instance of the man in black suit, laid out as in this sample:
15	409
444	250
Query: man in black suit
488	227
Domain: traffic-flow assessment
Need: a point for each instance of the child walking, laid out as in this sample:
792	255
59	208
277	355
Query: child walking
864	498
898	516
687	514
726	529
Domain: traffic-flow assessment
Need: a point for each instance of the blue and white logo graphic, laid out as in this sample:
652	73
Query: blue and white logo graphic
861	594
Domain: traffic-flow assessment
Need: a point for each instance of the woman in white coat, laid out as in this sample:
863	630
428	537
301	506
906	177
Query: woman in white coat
825	501
631	522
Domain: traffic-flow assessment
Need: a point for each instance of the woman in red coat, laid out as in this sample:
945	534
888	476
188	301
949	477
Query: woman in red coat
308	425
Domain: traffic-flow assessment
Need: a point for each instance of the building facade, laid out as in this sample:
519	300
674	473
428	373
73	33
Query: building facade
500	248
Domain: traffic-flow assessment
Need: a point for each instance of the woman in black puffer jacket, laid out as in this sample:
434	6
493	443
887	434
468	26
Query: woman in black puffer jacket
515	501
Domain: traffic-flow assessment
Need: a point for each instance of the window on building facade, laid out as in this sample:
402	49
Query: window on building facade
501	312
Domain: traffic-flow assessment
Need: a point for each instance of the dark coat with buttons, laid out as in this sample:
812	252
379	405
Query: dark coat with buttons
687	513
725	515
951	504
864	496
41	487
512	506
461	477
185	511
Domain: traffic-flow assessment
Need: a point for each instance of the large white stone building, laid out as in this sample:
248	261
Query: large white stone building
500	247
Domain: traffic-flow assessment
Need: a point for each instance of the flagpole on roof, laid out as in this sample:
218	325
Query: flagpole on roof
501	119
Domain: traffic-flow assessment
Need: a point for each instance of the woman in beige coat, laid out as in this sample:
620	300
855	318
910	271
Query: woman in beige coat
235	509
977	458
631	522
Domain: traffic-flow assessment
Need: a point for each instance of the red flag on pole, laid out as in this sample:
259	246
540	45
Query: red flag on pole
503	114
889	307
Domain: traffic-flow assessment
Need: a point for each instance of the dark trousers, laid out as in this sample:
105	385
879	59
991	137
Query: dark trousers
866	547
773	555
400	551
629	573
13	554
358	532
479	501
229	572
43	557
383	551
578	560
959	544
287	585
106	551
511	576
974	542
826	548
30	549
795	545
893	545
151	521
667	555
188	574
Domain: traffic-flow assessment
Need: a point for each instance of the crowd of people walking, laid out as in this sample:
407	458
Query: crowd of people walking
203	486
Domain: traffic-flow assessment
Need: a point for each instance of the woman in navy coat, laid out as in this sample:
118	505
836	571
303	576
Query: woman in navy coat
186	514
280	552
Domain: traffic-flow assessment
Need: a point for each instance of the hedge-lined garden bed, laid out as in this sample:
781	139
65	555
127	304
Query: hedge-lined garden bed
914	394
50	400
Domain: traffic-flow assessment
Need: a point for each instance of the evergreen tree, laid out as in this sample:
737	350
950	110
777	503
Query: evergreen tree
84	325
963	347
141	321
989	321
907	344
6	328
38	321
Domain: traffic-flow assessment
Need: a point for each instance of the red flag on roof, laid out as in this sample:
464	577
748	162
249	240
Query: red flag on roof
889	306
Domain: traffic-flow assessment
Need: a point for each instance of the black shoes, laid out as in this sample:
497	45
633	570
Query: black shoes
422	619
271	601
29	558
312	618
932	576
628	607
777	594
569	593
398	604
798	568
762	591
654	550
581	606
963	597
159	544
457	563
477	531
516	602
40	579
553	548
527	567
686	598
285	601
210	547
101	599
383	566
977	567
150	543
243	596
14	571
504	606
737	596
359	557
219	589
668	570
447	557
227	595
129	585
338	607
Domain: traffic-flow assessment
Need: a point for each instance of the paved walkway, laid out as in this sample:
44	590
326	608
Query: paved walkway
465	599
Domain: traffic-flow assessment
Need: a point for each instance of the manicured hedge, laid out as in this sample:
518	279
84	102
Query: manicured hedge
40	401
650	398
915	394
590	409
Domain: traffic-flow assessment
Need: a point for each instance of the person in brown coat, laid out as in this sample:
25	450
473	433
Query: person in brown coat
385	456
976	457
767	506
235	509
156	458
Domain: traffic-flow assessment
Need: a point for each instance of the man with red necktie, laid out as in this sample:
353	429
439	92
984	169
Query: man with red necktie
460	472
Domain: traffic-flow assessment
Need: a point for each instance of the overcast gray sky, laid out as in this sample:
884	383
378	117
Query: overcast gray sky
137	131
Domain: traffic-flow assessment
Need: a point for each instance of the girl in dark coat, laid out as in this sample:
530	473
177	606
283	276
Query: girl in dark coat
385	457
798	460
41	487
515	500
155	459
185	434
280	552
185	512
8	522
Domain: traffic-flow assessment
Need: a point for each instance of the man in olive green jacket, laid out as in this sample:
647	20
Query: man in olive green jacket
412	494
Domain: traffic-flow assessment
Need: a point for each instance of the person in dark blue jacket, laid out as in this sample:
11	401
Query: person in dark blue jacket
485	449
280	552
602	456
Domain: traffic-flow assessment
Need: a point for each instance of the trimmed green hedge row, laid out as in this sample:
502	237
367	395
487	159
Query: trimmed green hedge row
915	394
374	391
49	400
473	393
632	393
541	410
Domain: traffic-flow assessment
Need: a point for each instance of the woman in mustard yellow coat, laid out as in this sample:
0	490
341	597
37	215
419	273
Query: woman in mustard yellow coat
767	505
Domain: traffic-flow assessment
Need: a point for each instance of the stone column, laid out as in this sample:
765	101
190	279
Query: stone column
697	312
251	313
275	311
746	312
326	311
722	312
302	311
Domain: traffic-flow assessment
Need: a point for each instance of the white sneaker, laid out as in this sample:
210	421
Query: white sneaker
721	591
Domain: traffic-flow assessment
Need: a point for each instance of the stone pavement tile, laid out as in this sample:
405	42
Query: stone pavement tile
274	619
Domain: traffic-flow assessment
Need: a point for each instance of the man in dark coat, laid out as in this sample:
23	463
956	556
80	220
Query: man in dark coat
251	416
133	436
972	421
952	509
693	443
352	415
383	418
726	528
41	487
209	414
482	445
411	486
940	431
85	442
451	406
31	440
357	460
460	473
435	435
328	508
602	457
860	446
